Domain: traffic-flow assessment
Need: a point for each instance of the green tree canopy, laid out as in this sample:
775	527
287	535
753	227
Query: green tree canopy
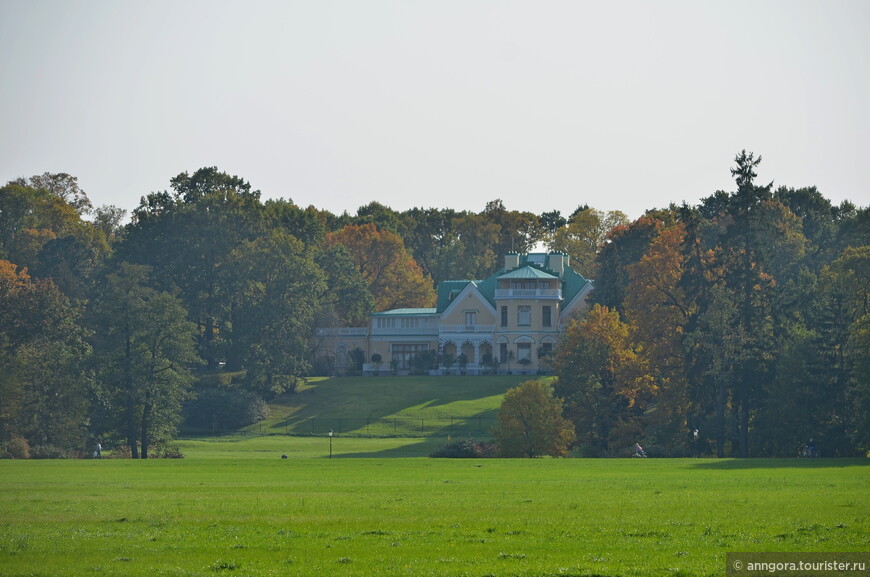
530	423
145	351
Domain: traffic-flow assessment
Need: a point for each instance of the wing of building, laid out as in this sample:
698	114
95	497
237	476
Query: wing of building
509	322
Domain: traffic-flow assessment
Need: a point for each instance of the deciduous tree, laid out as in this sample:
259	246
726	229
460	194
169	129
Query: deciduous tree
530	423
44	381
604	383
145	351
186	236
275	289
393	277
584	237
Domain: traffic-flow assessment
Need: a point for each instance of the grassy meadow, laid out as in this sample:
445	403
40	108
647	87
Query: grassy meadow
234	507
417	517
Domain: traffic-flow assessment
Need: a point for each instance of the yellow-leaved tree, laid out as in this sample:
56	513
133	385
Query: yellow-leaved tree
530	423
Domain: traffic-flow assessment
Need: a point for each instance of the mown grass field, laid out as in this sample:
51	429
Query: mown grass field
262	515
234	507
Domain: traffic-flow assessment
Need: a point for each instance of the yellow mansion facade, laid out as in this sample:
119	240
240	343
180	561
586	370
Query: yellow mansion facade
509	322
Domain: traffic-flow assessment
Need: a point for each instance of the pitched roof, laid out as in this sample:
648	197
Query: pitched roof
532	266
527	272
406	312
447	290
572	283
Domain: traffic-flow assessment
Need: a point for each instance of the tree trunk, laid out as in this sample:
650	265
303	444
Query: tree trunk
146	414
720	418
128	390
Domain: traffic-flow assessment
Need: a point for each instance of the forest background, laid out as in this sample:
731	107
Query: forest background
746	317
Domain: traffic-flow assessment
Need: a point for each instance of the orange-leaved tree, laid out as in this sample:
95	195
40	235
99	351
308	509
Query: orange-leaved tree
393	276
658	308
604	382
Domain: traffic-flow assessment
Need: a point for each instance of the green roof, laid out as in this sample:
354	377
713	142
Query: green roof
572	283
527	272
406	312
532	266
447	291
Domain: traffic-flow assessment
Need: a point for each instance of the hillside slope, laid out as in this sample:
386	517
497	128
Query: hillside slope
390	406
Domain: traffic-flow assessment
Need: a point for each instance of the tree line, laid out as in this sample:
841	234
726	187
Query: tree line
740	326
741	317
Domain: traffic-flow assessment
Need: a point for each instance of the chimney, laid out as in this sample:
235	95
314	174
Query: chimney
511	261
556	262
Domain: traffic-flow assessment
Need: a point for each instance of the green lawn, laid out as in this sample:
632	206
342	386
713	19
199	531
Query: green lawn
234	507
306	447
416	517
390	406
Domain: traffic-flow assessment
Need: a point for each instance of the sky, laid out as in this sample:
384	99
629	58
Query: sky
546	105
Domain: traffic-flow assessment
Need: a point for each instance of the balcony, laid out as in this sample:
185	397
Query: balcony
551	294
467	329
402	331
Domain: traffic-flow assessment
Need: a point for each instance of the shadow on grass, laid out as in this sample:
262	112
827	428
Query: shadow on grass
381	406
737	464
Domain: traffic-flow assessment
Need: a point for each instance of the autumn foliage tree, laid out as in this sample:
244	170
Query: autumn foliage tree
393	277
605	384
583	237
657	308
44	379
530	423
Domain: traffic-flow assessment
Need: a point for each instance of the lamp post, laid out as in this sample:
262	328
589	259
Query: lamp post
330	443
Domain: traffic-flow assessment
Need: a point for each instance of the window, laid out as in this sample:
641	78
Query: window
524	352
502	352
524	315
504	316
404	355
547	316
470	318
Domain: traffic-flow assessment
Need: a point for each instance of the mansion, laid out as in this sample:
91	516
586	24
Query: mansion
508	322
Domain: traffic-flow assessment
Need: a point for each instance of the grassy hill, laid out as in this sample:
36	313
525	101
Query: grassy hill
390	406
371	417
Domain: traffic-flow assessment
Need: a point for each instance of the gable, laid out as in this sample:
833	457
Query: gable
467	298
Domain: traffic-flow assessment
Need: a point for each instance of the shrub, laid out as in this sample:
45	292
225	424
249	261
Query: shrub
154	452
225	409
166	452
17	447
50	452
465	449
423	362
323	366
119	452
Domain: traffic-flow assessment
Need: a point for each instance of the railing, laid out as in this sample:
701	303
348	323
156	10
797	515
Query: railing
528	293
466	329
420	331
344	332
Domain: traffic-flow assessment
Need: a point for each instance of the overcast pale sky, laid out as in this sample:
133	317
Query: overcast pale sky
545	104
